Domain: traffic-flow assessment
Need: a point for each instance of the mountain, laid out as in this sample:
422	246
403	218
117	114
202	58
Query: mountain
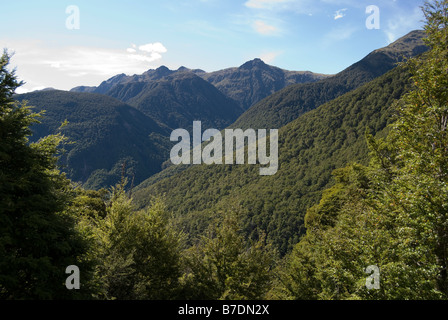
105	132
152	74
173	98
255	80
149	75
83	89
177	98
247	84
289	103
310	148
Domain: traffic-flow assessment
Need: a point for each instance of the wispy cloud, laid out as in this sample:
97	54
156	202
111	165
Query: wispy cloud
264	29
399	24
292	6
339	14
300	6
81	61
337	35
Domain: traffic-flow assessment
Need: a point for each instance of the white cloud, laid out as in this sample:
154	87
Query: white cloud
80	61
339	14
153	47
263	28
147	52
65	67
21	90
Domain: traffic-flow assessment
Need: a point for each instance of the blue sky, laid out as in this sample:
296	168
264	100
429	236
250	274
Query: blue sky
324	36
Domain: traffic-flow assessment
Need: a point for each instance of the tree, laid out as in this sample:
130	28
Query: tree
224	266
397	218
38	236
421	137
138	253
419	140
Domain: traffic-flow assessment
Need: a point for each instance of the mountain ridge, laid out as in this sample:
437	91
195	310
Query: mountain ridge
289	103
254	76
178	98
255	80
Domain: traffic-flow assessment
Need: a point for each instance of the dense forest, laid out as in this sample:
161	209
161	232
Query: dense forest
103	134
310	147
362	186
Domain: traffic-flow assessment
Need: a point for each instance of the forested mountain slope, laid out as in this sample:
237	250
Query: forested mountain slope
177	99
104	132
310	148
245	85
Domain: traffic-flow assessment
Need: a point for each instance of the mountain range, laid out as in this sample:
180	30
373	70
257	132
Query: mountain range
246	85
127	120
310	148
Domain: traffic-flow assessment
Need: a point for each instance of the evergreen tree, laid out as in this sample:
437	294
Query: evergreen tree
38	236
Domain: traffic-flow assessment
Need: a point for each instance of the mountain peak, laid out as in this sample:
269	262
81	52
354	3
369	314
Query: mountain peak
257	62
163	70
410	44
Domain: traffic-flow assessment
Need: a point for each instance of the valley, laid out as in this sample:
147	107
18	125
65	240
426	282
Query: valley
251	182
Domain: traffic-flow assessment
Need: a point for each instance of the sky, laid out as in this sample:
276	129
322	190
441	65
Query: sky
64	44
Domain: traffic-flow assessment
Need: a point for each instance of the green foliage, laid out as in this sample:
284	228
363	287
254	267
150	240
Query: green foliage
137	253
104	133
38	235
390	212
90	203
394	215
8	80
310	148
222	265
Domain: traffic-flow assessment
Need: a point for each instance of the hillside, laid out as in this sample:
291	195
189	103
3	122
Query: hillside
179	98
288	104
105	132
310	147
